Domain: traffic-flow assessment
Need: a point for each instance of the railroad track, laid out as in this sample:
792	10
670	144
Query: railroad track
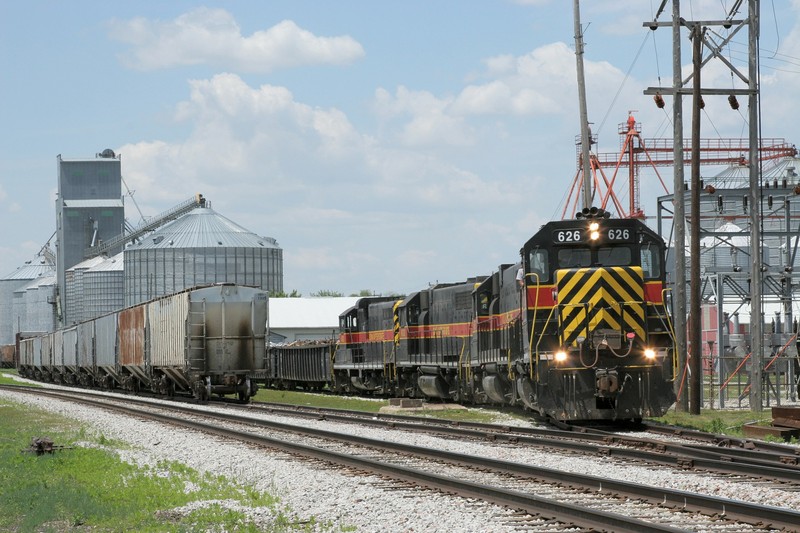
770	463
509	484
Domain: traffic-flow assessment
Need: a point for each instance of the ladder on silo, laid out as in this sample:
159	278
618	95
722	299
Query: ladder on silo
197	336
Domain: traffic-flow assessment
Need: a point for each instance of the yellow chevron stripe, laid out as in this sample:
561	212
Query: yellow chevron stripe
612	297
396	321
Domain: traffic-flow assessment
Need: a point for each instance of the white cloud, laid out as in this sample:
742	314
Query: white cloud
212	37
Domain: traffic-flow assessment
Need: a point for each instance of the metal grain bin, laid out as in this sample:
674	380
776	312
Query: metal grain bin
132	336
200	248
33	308
76	300
103	286
8	285
166	318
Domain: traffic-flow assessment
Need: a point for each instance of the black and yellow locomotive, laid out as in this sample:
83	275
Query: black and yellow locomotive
577	330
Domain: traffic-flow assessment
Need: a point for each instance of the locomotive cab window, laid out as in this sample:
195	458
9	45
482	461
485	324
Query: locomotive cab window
574	257
616	256
651	260
539	264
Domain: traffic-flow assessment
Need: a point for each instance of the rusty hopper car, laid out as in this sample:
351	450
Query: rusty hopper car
205	340
7	356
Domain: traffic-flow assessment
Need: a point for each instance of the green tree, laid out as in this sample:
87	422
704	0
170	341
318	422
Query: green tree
326	294
365	292
282	294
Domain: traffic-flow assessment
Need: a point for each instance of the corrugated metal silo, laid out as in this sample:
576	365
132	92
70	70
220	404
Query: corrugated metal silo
202	247
34	305
8	285
103	287
75	291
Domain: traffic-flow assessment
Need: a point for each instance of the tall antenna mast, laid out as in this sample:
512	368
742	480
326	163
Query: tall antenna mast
585	140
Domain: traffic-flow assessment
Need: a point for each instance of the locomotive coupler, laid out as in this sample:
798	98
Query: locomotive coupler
606	383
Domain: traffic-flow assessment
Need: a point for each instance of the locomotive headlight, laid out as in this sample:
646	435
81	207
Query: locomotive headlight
594	231
650	354
561	356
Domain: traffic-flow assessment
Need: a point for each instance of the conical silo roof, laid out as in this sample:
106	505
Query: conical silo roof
203	228
109	264
787	168
88	263
738	176
30	270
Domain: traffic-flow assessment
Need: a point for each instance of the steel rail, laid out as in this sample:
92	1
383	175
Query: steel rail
771	467
727	461
568	514
723	440
755	514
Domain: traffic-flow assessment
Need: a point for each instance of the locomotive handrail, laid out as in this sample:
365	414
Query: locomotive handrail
461	355
533	325
541	335
671	330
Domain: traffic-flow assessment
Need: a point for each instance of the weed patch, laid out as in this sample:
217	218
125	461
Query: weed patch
87	487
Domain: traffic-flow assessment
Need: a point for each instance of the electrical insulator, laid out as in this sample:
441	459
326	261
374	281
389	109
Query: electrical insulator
702	103
659	101
733	102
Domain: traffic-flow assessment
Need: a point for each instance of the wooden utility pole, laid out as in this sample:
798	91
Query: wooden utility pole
695	341
679	247
585	140
756	305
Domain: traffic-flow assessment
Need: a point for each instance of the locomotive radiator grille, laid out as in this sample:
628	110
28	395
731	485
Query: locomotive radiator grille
591	299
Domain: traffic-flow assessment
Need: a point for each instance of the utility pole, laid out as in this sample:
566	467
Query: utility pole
679	248
756	305
696	346
679	89
585	140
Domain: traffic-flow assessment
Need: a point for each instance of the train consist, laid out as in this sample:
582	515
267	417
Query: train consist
578	330
204	341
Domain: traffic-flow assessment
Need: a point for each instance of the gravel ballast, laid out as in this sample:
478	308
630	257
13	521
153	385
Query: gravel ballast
366	502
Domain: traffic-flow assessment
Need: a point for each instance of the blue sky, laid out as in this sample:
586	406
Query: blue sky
385	145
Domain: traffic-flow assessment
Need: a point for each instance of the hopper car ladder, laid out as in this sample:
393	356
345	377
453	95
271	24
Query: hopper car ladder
197	336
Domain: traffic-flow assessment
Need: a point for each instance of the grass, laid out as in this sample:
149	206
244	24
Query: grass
6	377
716	421
488	416
86	487
725	422
319	400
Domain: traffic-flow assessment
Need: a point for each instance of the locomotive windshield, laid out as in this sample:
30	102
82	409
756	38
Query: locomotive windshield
582	257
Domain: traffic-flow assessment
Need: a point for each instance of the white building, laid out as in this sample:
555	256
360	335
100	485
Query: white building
292	319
